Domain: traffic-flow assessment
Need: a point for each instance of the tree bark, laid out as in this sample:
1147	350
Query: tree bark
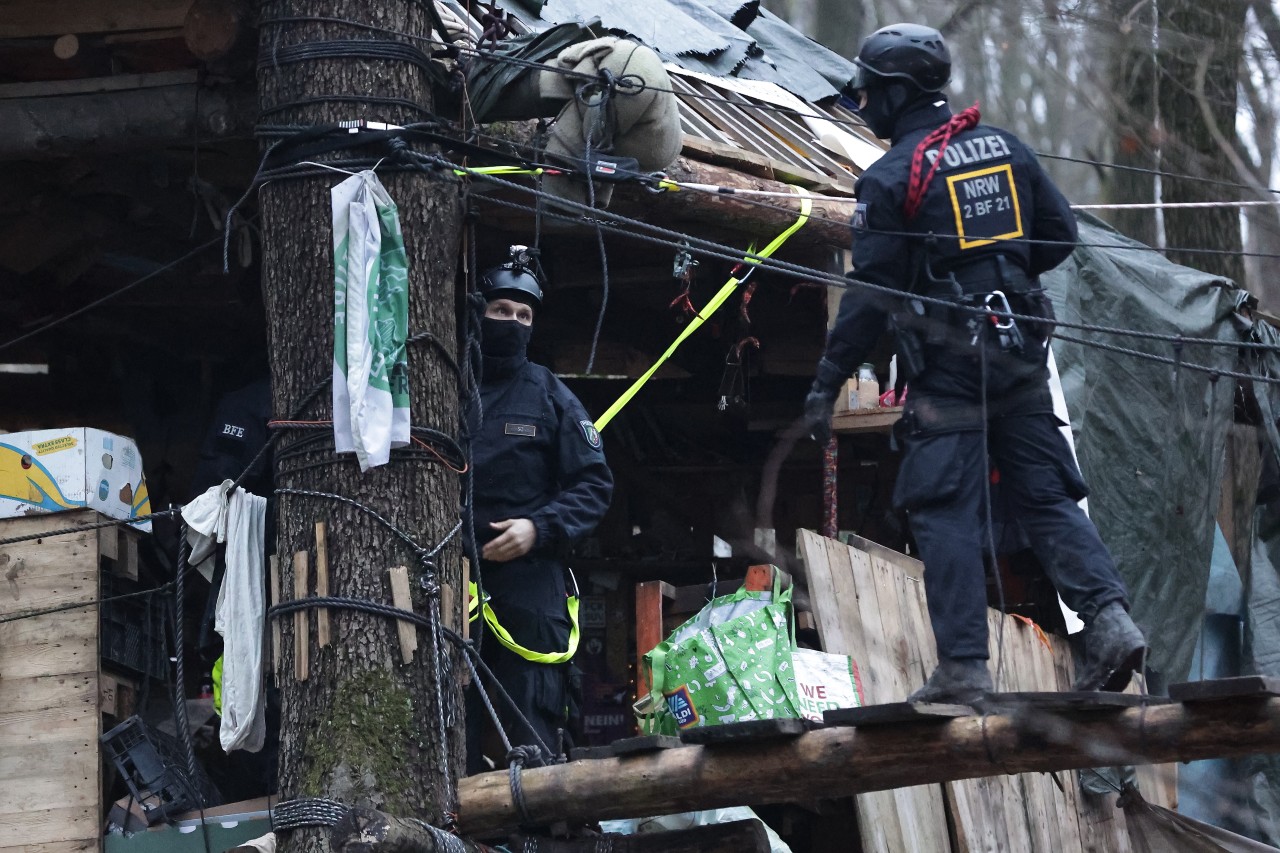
1133	129
1200	54
370	831
364	728
854	761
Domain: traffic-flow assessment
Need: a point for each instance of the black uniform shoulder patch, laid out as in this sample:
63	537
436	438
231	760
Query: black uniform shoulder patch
590	433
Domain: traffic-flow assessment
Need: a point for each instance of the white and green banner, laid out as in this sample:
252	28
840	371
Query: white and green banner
371	322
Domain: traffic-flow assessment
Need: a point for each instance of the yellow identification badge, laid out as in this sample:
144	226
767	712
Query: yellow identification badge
986	206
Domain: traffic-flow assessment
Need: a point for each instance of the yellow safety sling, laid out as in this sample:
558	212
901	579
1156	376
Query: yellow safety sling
475	607
752	259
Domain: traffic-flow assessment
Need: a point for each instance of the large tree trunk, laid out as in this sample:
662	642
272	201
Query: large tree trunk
1133	129
364	727
1200	51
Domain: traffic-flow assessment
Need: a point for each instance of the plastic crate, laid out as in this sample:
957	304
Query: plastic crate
133	629
151	764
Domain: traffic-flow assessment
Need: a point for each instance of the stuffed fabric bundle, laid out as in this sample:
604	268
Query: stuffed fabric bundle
636	121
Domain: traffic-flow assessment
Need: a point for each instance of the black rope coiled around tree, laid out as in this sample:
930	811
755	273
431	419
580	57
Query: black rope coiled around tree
307	811
370	49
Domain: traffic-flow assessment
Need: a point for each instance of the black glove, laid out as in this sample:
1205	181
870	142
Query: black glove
817	414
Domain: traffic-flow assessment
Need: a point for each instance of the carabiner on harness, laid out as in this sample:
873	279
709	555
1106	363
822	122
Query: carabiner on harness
1001	309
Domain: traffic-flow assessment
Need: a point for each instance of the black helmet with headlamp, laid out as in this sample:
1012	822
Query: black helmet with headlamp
515	279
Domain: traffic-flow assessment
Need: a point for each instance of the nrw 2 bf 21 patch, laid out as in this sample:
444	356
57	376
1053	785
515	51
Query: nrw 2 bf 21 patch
590	433
986	206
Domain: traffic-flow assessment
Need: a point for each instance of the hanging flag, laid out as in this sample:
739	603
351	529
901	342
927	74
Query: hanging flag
371	322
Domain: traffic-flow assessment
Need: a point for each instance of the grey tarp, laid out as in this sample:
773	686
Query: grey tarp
709	37
1150	437
1262	587
1153	829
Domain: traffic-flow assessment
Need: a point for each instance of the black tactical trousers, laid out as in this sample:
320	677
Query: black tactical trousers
529	600
940	484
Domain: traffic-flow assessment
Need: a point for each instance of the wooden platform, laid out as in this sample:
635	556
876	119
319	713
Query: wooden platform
854	421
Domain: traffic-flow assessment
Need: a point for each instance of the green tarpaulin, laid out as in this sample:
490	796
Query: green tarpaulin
1150	436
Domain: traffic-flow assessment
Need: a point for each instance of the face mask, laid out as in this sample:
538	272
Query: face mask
885	102
504	338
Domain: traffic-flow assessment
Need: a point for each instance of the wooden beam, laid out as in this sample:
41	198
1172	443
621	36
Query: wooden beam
853	760
768	215
92	85
35	18
104	120
759	216
651	598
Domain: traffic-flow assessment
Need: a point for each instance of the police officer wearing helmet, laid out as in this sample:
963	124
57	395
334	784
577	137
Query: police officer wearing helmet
540	484
962	212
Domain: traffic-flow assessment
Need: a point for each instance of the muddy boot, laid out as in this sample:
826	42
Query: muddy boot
1113	649
956	681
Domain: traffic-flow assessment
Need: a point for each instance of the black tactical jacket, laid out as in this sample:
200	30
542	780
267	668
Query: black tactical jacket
536	456
988	197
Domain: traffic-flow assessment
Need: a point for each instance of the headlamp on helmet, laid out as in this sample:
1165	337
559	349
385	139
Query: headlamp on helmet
515	279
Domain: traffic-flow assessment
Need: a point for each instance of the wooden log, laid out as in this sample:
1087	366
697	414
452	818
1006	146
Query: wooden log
764	215
212	27
854	760
57	118
365	830
56	17
66	46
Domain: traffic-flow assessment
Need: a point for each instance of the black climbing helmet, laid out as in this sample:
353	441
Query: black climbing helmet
907	51
513	280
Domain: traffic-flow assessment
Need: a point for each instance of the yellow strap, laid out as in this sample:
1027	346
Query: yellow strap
216	675
496	170
806	204
491	619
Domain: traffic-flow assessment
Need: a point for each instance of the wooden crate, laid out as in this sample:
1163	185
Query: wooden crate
51	794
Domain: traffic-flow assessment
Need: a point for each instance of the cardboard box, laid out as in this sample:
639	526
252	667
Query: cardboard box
60	469
848	399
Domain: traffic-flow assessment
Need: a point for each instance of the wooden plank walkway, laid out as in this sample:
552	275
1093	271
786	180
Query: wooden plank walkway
869	603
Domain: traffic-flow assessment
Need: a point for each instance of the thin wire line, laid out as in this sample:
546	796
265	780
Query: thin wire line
113	294
489	56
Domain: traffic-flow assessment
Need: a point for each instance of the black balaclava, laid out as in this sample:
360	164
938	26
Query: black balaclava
503	344
887	99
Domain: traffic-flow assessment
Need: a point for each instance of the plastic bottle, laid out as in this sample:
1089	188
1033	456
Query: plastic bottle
868	388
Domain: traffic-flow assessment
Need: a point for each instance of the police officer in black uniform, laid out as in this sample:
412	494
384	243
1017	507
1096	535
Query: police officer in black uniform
541	484
962	212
